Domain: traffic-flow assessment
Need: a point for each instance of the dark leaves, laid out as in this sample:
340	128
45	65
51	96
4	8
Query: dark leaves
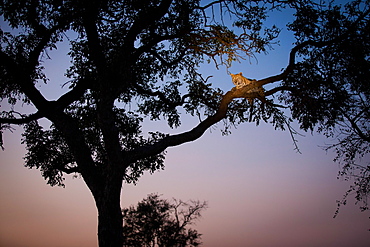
47	151
330	85
158	222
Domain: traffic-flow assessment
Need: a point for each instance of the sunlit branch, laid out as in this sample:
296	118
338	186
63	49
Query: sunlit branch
195	133
198	131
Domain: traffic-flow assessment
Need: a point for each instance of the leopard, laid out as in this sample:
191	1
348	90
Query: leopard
240	81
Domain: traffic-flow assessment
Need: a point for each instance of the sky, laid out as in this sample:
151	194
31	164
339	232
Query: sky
260	191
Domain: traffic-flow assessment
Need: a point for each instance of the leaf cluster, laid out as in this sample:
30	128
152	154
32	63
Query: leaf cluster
131	61
48	152
329	86
159	222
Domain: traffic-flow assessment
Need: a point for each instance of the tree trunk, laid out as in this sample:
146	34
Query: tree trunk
110	220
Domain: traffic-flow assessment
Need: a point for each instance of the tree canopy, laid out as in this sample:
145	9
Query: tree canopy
132	61
159	222
331	85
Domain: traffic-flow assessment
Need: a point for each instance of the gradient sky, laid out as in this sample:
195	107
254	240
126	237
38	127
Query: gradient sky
260	192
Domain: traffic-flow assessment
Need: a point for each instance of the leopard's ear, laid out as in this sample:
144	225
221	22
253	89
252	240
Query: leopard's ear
240	73
231	74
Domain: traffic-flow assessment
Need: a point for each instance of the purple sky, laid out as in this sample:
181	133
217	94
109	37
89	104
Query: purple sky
260	192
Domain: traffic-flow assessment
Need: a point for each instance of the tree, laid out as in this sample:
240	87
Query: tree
132	61
158	222
332	85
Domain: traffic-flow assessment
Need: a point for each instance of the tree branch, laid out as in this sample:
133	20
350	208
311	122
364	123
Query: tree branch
72	95
66	168
160	95
195	133
69	170
155	40
36	52
355	127
166	63
198	131
23	120
244	92
211	4
43	34
146	19
278	89
77	144
95	48
23	79
318	44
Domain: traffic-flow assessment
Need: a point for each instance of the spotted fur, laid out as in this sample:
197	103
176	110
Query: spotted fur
240	81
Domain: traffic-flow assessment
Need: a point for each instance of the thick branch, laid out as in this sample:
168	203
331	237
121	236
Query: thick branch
44	40
23	79
198	131
146	19
154	41
291	63
211	4
43	34
72	95
318	44
278	89
76	142
51	106
93	41
23	120
195	133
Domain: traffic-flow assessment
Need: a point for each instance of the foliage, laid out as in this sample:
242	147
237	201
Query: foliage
132	61
117	54
129	62
158	222
332	85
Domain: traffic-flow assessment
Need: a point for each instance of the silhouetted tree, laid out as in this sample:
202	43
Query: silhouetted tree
158	222
138	59
331	85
